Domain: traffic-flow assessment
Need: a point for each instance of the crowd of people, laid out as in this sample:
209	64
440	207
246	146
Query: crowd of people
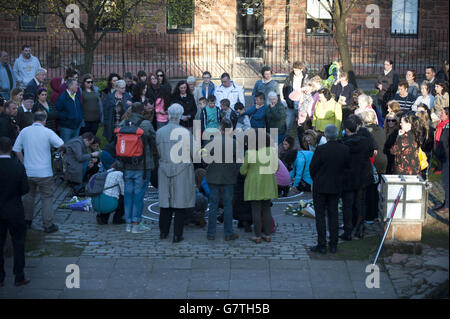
332	140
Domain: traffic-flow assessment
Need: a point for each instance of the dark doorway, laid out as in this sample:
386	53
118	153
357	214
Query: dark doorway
250	28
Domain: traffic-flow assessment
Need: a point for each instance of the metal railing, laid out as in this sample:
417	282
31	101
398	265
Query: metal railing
192	53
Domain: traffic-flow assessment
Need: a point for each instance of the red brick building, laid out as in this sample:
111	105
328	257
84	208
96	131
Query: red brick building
219	37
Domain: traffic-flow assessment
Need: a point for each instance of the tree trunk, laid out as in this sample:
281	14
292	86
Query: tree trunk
89	53
344	51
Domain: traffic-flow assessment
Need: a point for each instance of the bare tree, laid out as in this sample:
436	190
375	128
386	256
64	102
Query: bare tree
339	11
96	18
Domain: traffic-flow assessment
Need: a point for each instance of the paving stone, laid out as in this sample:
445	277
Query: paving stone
438	277
438	262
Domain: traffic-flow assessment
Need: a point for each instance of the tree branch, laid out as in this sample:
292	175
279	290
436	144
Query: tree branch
350	7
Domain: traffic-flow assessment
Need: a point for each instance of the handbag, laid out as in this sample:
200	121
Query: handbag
423	159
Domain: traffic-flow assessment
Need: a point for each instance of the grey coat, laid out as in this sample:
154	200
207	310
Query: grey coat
176	181
76	155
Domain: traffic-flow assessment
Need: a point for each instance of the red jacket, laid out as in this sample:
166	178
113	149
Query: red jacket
55	84
437	135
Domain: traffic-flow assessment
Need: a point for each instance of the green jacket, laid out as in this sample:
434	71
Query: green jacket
260	167
327	113
276	117
333	73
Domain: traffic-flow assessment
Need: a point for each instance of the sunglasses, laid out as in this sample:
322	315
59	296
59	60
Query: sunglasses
393	120
88	81
160	75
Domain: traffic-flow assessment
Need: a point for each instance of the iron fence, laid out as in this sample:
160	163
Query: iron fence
181	55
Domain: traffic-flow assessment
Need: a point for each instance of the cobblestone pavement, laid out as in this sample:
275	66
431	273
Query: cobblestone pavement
419	276
283	267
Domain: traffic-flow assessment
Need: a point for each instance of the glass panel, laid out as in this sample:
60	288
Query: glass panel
398	212
413	211
413	192
393	190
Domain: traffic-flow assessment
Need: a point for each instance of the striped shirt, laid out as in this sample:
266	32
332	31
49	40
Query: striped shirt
406	103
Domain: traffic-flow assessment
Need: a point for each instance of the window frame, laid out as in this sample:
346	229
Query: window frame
329	22
183	29
402	34
33	29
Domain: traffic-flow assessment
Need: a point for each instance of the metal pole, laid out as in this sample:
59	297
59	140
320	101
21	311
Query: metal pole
392	212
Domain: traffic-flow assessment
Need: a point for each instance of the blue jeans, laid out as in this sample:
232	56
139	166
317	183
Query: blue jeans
68	133
135	188
227	196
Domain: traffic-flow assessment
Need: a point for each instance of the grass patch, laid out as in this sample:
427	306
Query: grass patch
435	235
35	246
362	249
103	140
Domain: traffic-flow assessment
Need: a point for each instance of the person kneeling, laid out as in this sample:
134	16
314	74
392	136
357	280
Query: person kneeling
111	199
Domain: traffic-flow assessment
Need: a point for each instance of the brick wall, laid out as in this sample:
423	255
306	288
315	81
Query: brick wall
210	46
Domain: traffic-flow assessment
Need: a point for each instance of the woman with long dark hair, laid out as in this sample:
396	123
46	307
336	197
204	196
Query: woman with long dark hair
161	97
112	79
391	127
181	95
42	104
406	147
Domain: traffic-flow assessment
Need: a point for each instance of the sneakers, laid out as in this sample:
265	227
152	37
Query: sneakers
139	228
128	228
53	228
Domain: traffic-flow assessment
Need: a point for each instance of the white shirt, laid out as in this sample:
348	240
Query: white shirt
114	178
25	109
297	82
36	141
234	93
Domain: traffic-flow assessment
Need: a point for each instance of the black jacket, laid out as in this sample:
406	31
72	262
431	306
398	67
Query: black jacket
8	127
31	88
359	173
390	141
13	185
328	166
189	106
288	87
52	114
347	92
379	135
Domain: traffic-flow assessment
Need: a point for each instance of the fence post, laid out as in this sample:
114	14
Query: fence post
233	52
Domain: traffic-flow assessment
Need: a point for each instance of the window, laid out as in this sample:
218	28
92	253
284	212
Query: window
32	23
404	17
315	9
180	15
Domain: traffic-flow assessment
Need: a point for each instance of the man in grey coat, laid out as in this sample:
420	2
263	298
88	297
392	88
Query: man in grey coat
176	180
77	158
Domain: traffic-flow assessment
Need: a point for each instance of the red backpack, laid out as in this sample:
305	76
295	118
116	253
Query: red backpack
130	143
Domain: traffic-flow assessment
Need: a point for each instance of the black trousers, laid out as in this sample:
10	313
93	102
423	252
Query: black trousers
118	213
326	203
165	219
17	229
371	202
352	208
